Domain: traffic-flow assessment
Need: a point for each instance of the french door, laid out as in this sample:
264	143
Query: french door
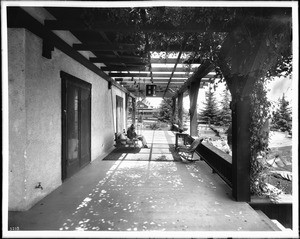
119	114
76	124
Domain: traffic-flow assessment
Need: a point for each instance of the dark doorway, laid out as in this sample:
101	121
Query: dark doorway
76	124
119	114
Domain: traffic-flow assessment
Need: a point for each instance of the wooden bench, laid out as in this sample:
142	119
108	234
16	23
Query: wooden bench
122	141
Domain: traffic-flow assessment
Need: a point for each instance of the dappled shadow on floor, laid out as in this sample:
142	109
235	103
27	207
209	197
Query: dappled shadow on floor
155	152
160	196
155	194
124	198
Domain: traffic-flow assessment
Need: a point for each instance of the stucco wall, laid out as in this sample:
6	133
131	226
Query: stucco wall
17	118
117	92
36	156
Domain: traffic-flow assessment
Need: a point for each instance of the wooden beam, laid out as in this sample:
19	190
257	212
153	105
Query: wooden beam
201	72
124	28
118	60
130	47
113	64
104	36
174	81
136	59
174	110
178	58
133	110
193	93
241	153
123	68
180	109
110	56
105	47
170	69
165	61
184	76
25	20
153	69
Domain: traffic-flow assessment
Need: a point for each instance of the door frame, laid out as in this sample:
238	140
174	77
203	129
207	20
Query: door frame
65	78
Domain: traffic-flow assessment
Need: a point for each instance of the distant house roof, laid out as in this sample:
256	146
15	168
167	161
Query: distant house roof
142	105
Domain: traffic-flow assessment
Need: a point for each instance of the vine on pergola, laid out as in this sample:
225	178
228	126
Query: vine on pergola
246	46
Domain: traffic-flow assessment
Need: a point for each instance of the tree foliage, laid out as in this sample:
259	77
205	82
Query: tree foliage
224	116
230	38
165	110
210	111
281	119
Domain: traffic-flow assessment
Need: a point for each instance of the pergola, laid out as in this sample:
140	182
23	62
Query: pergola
131	50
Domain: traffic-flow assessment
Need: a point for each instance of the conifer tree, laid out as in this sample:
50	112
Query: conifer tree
225	111
282	116
210	111
165	110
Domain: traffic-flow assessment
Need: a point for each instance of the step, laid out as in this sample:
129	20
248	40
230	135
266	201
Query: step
266	219
280	226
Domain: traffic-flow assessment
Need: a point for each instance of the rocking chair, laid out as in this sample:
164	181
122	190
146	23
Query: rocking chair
187	151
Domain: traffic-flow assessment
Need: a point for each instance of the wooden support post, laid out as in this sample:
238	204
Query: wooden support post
174	111
126	109
179	105
241	154
193	92
133	110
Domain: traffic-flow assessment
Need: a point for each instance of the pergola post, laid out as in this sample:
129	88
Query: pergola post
174	110
193	93
133	111
126	109
179	105
241	154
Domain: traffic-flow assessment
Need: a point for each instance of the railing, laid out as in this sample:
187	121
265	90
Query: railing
220	162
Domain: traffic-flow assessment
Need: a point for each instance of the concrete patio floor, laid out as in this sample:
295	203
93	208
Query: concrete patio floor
146	191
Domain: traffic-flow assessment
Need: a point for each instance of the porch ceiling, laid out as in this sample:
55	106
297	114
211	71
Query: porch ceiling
136	47
129	53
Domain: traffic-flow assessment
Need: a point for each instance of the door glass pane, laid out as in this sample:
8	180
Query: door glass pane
119	114
85	125
72	124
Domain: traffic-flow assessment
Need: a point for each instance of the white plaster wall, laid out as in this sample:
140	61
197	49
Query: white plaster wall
43	106
41	122
120	93
17	118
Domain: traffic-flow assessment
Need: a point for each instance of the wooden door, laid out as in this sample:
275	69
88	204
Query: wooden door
119	114
76	124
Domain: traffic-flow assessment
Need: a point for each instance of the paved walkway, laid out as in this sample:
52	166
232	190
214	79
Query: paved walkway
153	192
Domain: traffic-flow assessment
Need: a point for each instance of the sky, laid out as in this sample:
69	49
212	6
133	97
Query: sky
277	88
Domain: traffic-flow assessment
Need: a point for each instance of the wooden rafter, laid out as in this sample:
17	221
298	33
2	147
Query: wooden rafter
25	20
117	60
131	47
182	47
178	58
135	59
142	68
148	27
113	64
155	80
201	72
105	47
122	68
204	80
167	61
104	36
143	74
